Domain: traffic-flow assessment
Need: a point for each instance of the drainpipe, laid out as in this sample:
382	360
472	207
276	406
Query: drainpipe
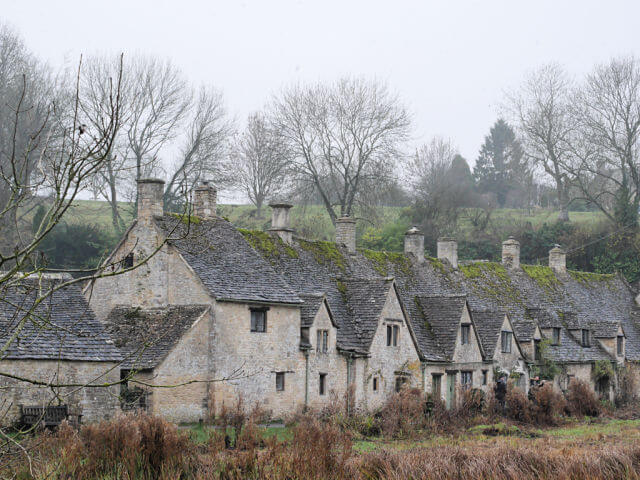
423	368
306	380
349	362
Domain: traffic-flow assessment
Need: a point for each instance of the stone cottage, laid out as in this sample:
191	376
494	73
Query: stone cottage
54	352
206	314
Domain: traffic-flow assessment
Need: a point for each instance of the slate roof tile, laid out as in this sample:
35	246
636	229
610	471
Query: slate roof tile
227	265
62	327
146	336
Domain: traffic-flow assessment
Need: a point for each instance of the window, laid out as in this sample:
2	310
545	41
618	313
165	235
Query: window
393	332
466	378
506	342
401	381
585	338
280	381
484	377
323	383
556	336
127	262
537	353
258	320
322	341
620	345
465	331
436	385
375	384
304	335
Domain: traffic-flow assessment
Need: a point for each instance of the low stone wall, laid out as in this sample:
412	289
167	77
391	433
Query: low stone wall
94	403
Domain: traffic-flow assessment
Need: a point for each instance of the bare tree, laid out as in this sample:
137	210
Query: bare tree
159	102
542	111
26	92
160	116
606	112
345	139
262	158
441	184
205	147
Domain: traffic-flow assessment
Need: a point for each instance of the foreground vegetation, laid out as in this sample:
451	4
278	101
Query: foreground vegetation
410	438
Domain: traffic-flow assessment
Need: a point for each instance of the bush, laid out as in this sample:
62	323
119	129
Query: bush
581	400
547	405
129	446
404	413
518	406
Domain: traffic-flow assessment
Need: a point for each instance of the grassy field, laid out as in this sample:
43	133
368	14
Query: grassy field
576	432
312	220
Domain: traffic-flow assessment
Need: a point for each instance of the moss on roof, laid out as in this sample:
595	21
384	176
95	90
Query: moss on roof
270	246
187	219
587	278
543	276
491	279
382	261
324	252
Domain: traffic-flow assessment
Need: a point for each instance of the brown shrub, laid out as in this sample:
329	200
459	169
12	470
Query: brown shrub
404	413
581	400
518	405
628	386
547	405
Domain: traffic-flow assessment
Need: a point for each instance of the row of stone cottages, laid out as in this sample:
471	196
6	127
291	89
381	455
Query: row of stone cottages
289	323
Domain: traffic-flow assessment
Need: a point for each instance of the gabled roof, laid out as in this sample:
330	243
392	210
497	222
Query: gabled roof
309	309
444	313
225	263
145	337
570	350
489	326
61	327
365	300
529	294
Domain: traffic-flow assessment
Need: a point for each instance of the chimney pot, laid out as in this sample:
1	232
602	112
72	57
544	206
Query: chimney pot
448	250
205	198
414	244
558	259
346	233
511	253
150	198
280	222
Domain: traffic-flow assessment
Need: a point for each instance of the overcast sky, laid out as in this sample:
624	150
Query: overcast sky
450	61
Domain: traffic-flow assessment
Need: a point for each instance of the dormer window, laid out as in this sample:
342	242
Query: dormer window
322	341
465	332
620	345
258	320
506	341
393	332
586	340
556	336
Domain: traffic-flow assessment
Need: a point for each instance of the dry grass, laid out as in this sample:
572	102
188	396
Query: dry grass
145	447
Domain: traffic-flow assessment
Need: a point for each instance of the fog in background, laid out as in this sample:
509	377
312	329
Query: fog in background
449	61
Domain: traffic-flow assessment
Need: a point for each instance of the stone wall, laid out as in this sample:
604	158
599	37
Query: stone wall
258	356
385	361
94	403
331	363
187	362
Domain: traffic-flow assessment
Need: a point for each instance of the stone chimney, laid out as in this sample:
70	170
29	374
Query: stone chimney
280	224
346	233
511	253
448	250
558	259
205	199
150	201
414	244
